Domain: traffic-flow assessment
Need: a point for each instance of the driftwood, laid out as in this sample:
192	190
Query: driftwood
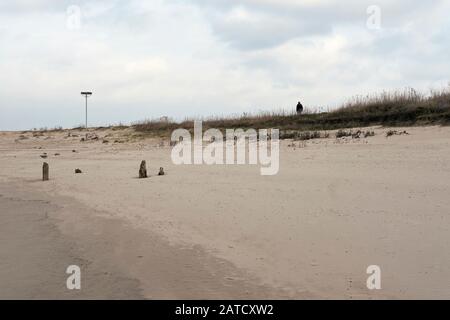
143	170
45	172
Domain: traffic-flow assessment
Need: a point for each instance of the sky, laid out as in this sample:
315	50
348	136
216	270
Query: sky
200	58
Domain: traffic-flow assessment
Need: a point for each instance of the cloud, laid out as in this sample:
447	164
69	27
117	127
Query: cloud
145	59
259	24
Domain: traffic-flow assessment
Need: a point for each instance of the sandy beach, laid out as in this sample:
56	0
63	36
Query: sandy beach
336	207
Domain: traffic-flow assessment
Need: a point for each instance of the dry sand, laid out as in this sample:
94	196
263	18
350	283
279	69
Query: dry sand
336	207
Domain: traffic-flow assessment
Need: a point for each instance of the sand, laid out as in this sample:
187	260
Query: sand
336	207
35	255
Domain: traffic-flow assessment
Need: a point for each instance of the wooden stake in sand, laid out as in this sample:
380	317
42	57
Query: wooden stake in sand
143	170
45	172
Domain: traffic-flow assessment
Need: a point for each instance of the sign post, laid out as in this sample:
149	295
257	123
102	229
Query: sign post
86	94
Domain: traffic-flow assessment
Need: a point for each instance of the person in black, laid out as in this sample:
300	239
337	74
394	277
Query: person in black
299	108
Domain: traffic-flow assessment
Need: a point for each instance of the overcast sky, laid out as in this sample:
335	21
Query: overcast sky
146	59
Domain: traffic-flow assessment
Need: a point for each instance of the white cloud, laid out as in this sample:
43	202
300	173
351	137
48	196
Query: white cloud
144	59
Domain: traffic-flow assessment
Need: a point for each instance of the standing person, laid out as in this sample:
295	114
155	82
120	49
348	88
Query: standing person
299	108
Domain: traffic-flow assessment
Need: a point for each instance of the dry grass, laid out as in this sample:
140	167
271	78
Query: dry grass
398	108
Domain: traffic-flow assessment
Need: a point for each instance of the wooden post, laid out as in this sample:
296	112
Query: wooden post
143	170
45	172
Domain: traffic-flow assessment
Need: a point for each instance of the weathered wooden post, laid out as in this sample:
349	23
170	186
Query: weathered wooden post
143	170
45	172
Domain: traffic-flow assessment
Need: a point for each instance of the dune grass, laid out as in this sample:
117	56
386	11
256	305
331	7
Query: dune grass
398	108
